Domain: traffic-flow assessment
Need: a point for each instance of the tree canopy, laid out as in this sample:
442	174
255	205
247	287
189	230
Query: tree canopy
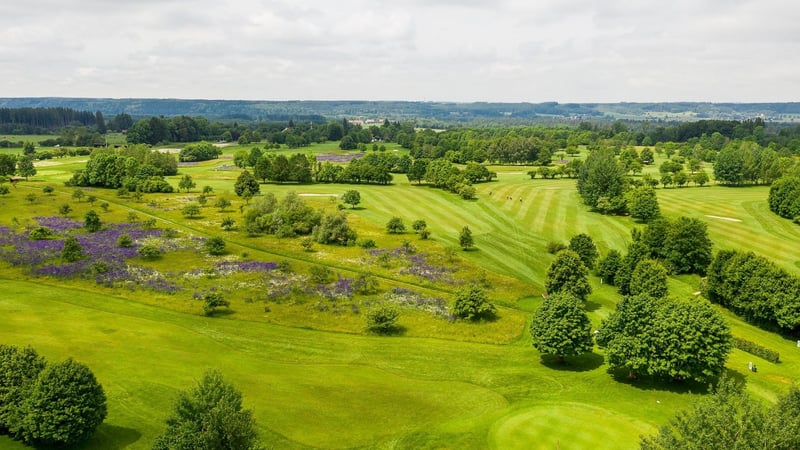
567	273
209	417
561	327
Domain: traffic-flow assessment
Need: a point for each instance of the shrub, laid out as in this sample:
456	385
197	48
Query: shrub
382	319
124	241
215	246
395	226
149	251
472	303
40	233
212	301
367	243
72	250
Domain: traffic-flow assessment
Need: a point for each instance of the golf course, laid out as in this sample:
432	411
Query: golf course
306	365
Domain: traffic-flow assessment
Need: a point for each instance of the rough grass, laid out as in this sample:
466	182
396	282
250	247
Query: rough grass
437	385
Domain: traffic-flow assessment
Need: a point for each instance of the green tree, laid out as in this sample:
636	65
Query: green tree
567	273
334	229
246	182
624	334
465	239
72	250
212	301
92	222
191	210
222	203
601	176
215	245
25	167
186	183
728	419
561	327
643	204
64	406
209	417
649	278
729	166
472	303
687	247
382	318
351	197
19	368
64	209
395	225
78	194
608	266
784	197
583	245
228	223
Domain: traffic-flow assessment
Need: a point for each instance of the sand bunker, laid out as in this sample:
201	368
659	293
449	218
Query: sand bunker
729	219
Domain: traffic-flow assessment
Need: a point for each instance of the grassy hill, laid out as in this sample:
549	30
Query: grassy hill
315	379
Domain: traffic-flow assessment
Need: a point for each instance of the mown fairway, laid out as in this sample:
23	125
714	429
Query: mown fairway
438	386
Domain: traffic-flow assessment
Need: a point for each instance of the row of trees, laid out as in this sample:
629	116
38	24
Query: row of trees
44	404
21	165
755	288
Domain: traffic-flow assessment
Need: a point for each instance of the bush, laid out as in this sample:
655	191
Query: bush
382	319
367	243
149	251
472	303
554	247
215	246
124	241
72	250
395	226
40	233
757	350
212	301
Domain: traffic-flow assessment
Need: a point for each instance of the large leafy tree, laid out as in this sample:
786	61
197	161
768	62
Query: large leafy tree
624	333
669	338
567	273
25	167
561	327
649	278
784	197
209	417
601	177
583	245
19	368
608	266
732	419
643	204
687	247
352	197
246	182
64	406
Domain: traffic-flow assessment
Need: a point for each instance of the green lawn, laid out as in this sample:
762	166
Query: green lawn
317	381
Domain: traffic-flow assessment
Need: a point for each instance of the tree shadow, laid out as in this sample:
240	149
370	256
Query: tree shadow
591	306
395	331
107	437
583	363
648	383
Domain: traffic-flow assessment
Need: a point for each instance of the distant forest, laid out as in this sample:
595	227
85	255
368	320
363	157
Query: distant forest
431	114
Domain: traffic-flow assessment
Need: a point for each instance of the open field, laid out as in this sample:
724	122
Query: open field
318	381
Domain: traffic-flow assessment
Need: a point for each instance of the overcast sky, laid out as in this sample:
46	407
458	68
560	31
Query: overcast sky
437	50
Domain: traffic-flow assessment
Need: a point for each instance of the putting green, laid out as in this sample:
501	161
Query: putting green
566	426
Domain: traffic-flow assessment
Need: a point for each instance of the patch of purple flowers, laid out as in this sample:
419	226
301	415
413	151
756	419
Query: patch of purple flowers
59	225
341	289
229	267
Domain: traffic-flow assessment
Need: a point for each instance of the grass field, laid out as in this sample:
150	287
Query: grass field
321	382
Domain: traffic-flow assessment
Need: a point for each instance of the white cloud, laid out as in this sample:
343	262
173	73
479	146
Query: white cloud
476	50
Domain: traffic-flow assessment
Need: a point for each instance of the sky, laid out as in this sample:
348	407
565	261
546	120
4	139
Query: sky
419	50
